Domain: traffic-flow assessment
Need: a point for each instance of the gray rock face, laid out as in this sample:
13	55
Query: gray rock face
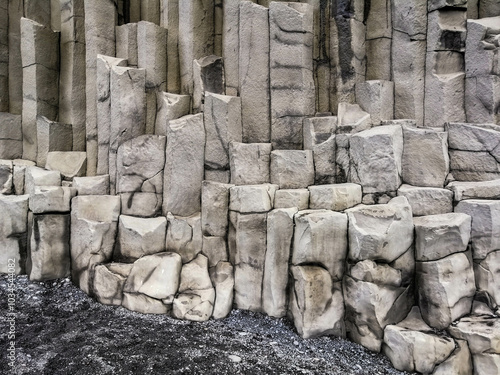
411	345
69	163
380	232
97	185
51	136
292	169
138	237
208	75
445	289
288	198
215	249
36	176
47	199
352	119
126	43
196	296
94	224
6	176
475	190
215	206
438	236
377	98
252	198
170	107
487	273
316	303
485	232
184	236
427	201
48	247
321	238
376	157
335	197
280	228
223	281
250	163
11	134
108	282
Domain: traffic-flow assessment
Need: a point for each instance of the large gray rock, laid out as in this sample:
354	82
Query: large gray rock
249	163
51	136
19	174
208	76
223	280
108	282
170	107
437	236
141	204
48	247
97	185
475	190
446	288
69	163
316	303
292	169
169	18
183	173
36	176
94	224
138	237
11	134
485	233
214	208
184	236
335	197
280	227
48	199
247	252
288	198
215	249
126	43
352	119
321	238
380	232
427	200
196	295
377	98
252	198
6	176
13	232
487	273
429	168
376	157
459	362
411	345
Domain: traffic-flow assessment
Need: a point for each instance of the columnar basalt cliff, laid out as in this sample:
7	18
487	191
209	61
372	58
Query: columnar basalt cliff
336	162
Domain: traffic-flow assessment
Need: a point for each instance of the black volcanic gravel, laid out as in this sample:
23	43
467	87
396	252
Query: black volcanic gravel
60	330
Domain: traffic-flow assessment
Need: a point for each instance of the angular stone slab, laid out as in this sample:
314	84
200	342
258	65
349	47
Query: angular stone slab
184	236
292	169
487	273
426	200
475	190
214	210
97	185
11	135
480	54
69	163
223	281
52	136
252	198
6	176
377	98
109	280
35	176
48	199
126	43
250	163
141	204
335	197
215	249
288	198
208	75
170	107
19	173
352	119
169	19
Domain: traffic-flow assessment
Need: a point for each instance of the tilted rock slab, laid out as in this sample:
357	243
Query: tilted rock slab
108	282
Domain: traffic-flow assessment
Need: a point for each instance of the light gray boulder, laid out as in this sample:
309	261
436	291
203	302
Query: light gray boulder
222	276
96	185
35	176
335	197
292	169
215	249
169	107
208	76
475	190
352	119
250	163
108	282
214	208
487	273
51	199
377	98
11	135
427	200
19	174
141	204
288	198
252	198
184	236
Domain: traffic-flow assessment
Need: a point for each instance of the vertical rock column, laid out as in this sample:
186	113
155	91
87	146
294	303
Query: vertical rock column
104	65
379	40
169	19
4	56
445	77
291	72
152	56
196	37
40	60
128	121
126	43
100	21
253	73
72	79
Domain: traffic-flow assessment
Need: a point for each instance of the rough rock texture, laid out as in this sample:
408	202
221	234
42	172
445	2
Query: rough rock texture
222	277
184	236
109	280
215	206
51	136
250	163
292	169
487	273
11	136
376	98
475	190
97	185
426	200
208	75
335	197
47	199
252	198
288	198
170	107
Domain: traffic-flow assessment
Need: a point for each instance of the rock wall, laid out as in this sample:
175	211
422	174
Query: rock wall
335	162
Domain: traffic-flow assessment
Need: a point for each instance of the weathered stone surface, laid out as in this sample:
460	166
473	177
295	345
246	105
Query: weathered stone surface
250	163
152	56
445	289
380	274
429	168
321	238
127	111
69	163
380	232
475	190
376	157
437	236
247	251
4	56
48	247
141	204
140	162
377	98
485	233
378	57
446	29
108	282
11	134
223	281
252	198
487	274
72	75
481	53
280	228
40	77
36	176
215	249
426	200
411	345
196	296
94	222
316	303
231	44
138	237
170	107
196	37
352	119
335	197
288	198
19	172
103	114
126	43
208	75
46	199
97	185
184	236
459	362
482	96
182	182
6	176
169	19
291	79
292	169
371	307
319	136
222	116
51	136
214	208
254	72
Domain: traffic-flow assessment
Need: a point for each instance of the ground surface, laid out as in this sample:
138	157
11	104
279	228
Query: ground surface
59	330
